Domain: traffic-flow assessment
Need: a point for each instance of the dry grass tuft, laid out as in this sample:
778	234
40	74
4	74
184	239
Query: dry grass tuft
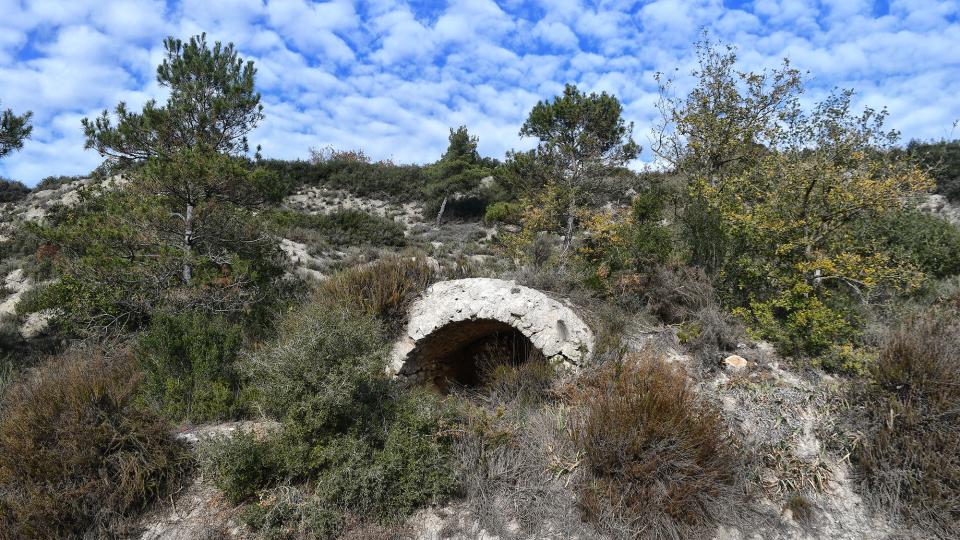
383	289
515	457
77	456
907	457
660	461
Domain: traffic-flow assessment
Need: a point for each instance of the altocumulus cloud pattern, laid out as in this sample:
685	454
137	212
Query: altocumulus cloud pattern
391	77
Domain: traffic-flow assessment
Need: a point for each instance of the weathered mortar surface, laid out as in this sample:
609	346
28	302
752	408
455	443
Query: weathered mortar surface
550	325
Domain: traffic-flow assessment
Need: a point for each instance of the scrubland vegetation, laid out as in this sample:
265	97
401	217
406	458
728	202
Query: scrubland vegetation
171	305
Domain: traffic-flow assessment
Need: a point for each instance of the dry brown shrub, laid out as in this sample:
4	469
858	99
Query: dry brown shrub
659	460
383	289
684	296
77	456
908	452
515	458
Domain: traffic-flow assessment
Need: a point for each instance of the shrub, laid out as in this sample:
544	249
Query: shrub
12	191
271	185
942	158
907	458
673	293
503	212
929	242
383	289
848	360
319	344
77	456
341	227
367	447
660	461
515	460
802	320
239	465
683	296
355	173
55	182
188	365
524	384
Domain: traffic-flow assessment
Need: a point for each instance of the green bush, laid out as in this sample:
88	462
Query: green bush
12	191
660	462
650	241
188	365
802	320
943	160
239	465
503	212
402	183
367	447
908	422
929	242
78	457
270	184
383	289
341	227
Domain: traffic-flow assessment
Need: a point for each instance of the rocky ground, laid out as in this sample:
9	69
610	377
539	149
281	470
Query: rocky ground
775	410
785	414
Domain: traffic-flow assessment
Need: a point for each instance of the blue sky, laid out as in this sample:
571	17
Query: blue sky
391	77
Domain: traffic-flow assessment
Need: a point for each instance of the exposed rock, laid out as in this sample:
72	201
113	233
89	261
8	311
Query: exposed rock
37	323
305	265
18	284
193	434
779	415
939	205
735	363
452	313
199	511
16	281
319	200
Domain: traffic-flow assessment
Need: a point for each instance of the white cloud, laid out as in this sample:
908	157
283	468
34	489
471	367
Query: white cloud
392	77
556	34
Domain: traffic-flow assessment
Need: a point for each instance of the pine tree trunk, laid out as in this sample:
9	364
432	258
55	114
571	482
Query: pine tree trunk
443	206
571	210
187	245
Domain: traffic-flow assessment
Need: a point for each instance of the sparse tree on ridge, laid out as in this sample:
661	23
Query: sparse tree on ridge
460	169
190	146
14	130
181	234
583	138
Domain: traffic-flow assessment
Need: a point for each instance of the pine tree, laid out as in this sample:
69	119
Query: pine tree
13	131
190	146
583	138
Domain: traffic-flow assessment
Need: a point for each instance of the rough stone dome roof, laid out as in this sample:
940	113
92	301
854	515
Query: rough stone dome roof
451	314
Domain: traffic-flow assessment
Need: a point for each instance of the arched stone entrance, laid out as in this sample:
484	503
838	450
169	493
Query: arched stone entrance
453	320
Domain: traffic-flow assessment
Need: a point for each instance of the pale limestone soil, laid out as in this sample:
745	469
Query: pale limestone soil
198	510
314	200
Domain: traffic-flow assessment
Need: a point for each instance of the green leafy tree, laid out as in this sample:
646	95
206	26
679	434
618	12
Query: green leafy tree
459	170
721	128
14	130
781	202
583	140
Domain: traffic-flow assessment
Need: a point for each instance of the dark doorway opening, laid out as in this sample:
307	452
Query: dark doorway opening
463	354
